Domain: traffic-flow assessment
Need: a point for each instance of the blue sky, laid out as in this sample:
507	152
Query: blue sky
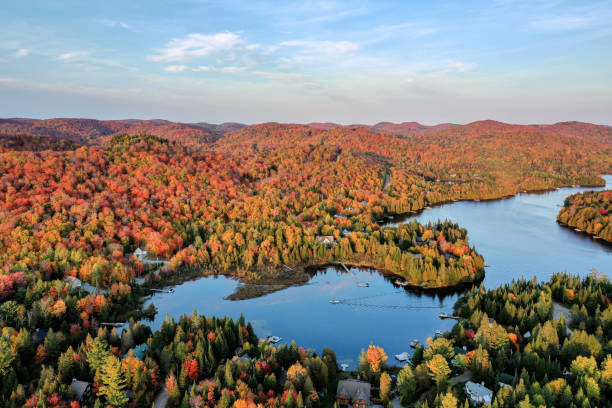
349	62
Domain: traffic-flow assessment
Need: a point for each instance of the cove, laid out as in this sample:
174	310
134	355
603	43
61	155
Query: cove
517	236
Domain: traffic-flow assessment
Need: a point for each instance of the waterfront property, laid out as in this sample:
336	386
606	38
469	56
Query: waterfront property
353	393
478	393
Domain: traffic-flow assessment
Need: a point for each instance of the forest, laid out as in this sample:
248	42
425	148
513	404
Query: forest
263	203
529	344
589	212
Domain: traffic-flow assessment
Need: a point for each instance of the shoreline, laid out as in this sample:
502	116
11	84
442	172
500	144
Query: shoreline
306	270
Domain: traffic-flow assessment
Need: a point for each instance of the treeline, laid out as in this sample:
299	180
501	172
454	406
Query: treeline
590	211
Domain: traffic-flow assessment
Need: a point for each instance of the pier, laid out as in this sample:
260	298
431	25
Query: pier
363	285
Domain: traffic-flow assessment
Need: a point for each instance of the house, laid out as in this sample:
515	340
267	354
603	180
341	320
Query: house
81	389
328	240
478	393
74	282
505	379
140	254
39	335
354	393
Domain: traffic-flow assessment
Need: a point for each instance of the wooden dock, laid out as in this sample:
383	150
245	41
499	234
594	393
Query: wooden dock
363	285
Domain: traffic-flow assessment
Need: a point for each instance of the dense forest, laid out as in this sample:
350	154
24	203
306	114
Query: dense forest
79	198
590	212
531	344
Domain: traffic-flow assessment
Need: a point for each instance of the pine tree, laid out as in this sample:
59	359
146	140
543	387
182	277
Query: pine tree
113	383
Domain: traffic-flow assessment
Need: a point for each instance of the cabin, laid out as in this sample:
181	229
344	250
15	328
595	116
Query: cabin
74	282
478	394
81	389
140	254
354	393
328	240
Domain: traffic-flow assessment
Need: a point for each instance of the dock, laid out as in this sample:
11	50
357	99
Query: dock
171	290
446	316
362	285
112	324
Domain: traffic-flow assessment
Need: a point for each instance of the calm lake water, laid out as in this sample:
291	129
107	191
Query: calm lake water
517	236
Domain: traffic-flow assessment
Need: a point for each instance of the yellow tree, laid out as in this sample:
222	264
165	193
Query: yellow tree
385	387
113	383
438	369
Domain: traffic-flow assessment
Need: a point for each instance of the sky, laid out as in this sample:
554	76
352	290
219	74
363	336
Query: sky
340	61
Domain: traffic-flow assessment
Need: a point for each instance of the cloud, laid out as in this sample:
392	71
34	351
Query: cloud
176	68
198	45
563	23
73	56
22	52
282	75
458	66
117	24
328	48
226	70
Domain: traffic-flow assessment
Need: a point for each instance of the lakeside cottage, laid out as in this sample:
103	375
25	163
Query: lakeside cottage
354	393
328	240
478	393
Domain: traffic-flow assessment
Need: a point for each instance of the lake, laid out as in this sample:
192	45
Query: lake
517	236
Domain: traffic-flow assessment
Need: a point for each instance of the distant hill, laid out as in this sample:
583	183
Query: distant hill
91	131
98	132
221	128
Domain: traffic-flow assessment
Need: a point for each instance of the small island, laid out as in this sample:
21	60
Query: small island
589	212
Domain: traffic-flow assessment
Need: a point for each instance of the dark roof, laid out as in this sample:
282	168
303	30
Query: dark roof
354	389
506	378
81	389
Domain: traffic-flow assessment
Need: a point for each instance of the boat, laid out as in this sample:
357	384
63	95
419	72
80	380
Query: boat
273	339
577	230
364	285
414	343
344	367
438	333
334	302
428	208
401	283
402	357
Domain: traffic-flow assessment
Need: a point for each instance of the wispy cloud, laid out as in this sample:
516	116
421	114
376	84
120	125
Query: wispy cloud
198	45
282	75
22	52
176	68
226	70
327	48
73	56
116	24
459	66
562	23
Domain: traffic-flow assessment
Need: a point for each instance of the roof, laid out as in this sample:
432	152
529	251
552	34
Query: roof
354	389
506	378
478	392
80	388
139	351
460	350
326	239
39	335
